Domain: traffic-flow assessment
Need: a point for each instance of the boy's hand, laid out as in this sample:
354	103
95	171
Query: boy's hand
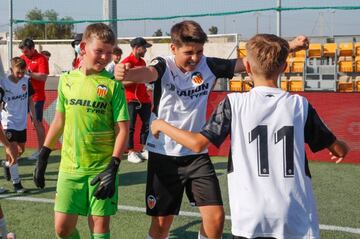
121	71
36	123
40	167
301	42
106	180
155	127
338	150
11	150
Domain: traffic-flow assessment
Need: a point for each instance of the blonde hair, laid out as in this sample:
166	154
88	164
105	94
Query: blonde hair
18	62
99	31
267	54
187	32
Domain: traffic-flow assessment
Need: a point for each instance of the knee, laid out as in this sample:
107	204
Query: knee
219	217
62	232
160	228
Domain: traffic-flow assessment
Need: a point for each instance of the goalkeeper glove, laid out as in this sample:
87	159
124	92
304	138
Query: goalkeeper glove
106	187
40	167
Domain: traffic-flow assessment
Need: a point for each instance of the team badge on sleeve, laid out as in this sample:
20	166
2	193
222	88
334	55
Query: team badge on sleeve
101	90
154	62
151	201
197	78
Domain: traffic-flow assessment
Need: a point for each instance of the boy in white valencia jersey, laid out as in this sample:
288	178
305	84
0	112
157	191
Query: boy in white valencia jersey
182	84
17	100
269	180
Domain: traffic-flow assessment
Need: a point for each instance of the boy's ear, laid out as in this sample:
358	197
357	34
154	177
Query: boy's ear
82	48
247	66
284	67
173	48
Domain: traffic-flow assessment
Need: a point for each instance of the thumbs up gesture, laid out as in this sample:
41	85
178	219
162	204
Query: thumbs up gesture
121	71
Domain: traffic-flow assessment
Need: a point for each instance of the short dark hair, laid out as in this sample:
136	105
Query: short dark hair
18	62
117	51
77	39
101	32
187	32
139	41
46	53
27	42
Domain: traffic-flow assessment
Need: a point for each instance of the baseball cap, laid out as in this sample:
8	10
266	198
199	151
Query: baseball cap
27	42
139	41
77	39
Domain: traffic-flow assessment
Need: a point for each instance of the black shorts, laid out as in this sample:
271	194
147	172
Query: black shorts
169	176
15	135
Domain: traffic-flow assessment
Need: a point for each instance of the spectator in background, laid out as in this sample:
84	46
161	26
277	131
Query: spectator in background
37	67
76	45
47	54
139	102
116	57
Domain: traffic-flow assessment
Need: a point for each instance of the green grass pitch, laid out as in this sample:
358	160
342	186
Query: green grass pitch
336	189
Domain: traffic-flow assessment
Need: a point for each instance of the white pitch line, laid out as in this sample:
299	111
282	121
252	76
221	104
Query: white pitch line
182	213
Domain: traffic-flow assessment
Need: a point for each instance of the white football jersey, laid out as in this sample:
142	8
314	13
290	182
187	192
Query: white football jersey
181	98
15	106
269	181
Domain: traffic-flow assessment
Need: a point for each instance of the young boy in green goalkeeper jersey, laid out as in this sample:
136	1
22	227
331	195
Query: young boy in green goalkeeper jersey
92	115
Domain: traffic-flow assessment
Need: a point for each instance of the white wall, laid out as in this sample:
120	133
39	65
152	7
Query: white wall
62	53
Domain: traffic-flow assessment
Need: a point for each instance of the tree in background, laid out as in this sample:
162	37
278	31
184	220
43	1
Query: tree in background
157	33
45	31
213	30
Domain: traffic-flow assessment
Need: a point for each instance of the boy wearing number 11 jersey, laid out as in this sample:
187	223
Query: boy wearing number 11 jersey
269	180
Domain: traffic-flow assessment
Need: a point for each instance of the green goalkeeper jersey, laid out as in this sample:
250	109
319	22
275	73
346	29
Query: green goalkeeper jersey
92	105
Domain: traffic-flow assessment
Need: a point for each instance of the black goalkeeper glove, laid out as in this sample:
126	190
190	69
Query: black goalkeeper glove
106	188
40	167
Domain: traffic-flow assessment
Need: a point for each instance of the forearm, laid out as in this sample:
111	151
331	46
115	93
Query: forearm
55	131
142	75
121	138
194	141
240	65
38	76
32	109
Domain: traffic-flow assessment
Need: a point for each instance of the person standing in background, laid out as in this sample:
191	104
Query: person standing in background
116	57
76	45
37	67
139	102
47	54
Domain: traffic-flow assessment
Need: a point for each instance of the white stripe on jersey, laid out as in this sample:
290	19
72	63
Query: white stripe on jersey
271	195
14	113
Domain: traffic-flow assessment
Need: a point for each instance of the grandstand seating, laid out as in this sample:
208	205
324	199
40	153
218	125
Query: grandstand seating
357	84
345	64
296	83
357	49
357	64
329	49
346	49
242	50
284	83
321	65
236	84
315	50
345	84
